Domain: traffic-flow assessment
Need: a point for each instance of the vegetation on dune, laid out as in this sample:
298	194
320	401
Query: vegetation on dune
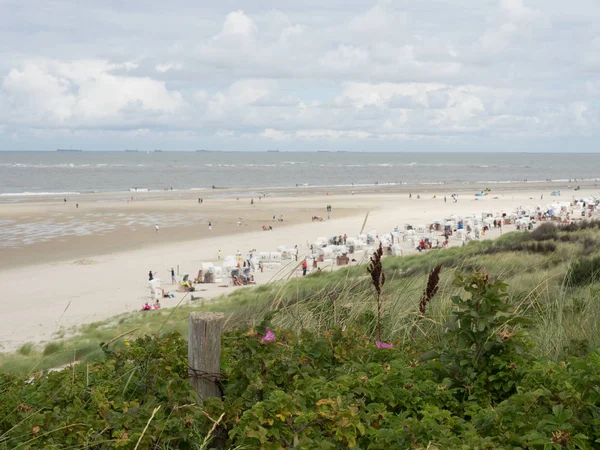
425	351
479	387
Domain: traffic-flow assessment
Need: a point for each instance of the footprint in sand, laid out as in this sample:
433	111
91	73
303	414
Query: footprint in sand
85	262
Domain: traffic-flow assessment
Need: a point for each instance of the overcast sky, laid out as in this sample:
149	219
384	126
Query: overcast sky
442	75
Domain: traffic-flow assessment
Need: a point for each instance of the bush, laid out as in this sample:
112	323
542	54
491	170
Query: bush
582	225
589	245
545	232
26	349
336	390
583	271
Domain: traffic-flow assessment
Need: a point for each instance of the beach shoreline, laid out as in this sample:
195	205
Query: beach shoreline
298	191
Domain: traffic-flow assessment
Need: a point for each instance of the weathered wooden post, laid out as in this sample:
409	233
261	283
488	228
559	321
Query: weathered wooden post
204	353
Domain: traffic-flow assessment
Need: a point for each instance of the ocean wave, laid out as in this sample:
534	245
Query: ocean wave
33	194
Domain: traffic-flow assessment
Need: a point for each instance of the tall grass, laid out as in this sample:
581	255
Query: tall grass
562	313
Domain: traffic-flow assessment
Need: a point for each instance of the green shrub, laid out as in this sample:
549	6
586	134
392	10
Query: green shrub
53	347
583	271
26	349
546	231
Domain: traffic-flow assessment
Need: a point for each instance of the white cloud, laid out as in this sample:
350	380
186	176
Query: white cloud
162	68
239	24
83	93
333	71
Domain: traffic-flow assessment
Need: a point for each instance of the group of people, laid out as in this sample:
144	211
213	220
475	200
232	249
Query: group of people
148	307
425	244
340	240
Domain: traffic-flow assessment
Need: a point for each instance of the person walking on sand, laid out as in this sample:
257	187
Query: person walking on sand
156	226
209	226
219	255
172	276
150	276
444	199
304	267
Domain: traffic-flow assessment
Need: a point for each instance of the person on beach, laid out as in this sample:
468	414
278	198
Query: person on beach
219	255
172	276
156	305
209	226
444	199
65	199
410	195
252	201
150	276
304	267
156	226
146	307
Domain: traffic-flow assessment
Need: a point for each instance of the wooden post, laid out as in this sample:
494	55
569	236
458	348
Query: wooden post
204	353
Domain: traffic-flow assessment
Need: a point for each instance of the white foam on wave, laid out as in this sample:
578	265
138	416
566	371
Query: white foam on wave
33	194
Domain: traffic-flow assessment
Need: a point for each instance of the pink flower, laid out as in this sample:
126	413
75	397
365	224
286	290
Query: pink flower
380	344
269	336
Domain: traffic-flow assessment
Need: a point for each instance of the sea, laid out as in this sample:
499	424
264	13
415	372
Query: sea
47	173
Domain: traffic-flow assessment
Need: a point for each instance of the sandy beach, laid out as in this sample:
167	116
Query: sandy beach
65	266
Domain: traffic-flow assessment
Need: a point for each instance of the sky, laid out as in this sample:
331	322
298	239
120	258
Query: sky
435	75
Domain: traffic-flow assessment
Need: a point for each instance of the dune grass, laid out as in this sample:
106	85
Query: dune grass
534	265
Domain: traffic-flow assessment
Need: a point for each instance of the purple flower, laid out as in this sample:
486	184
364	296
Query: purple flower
269	336
380	344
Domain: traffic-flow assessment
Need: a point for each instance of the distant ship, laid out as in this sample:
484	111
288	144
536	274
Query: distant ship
202	151
68	150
